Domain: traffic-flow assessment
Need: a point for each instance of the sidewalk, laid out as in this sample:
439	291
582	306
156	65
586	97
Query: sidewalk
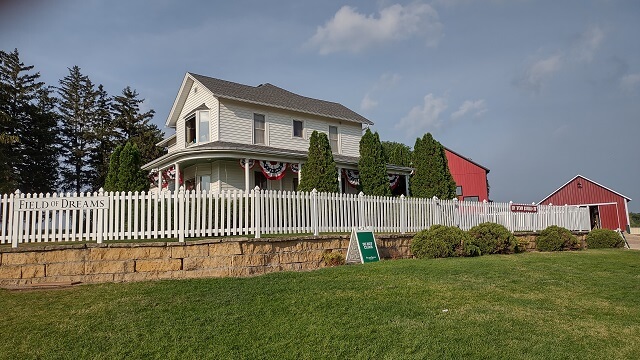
633	240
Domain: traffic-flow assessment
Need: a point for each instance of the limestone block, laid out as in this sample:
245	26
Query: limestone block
33	271
257	248
128	253
63	269
10	272
225	248
189	251
20	258
58	279
272	259
239	272
247	260
158	265
97	278
284	246
290	257
62	256
291	267
219	272
198	263
109	267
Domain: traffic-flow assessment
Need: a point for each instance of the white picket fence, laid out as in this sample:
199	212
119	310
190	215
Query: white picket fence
28	218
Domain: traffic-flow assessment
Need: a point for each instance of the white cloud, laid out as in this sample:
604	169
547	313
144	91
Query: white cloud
587	44
367	103
476	108
540	71
352	31
629	82
424	117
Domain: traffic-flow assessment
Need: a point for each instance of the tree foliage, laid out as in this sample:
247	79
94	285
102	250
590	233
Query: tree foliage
103	139
432	176
397	153
372	166
124	170
319	172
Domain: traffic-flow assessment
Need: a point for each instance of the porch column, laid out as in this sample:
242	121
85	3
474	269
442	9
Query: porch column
159	179
246	175
177	178
406	182
339	180
299	172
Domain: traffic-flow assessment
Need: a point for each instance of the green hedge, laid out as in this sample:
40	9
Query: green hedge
438	242
604	238
492	238
556	238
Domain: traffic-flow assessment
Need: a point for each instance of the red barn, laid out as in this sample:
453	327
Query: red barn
470	177
608	209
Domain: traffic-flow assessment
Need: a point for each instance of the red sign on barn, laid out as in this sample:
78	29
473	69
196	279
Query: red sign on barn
524	208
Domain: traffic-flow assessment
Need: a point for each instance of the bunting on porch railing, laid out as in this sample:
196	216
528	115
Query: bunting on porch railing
153	178
393	180
168	175
273	170
353	177
295	167
251	163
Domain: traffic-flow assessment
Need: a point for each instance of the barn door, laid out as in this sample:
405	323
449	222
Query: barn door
609	216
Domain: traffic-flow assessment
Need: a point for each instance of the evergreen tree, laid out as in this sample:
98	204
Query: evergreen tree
319	172
396	153
111	181
77	108
432	176
132	125
28	128
372	166
130	176
103	139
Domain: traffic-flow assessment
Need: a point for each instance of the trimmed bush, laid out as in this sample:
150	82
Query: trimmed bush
556	238
604	238
492	238
438	242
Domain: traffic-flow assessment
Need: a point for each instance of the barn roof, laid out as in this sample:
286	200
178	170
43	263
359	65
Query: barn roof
586	179
466	158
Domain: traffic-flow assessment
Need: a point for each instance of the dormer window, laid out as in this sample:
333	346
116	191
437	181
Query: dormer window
258	129
197	128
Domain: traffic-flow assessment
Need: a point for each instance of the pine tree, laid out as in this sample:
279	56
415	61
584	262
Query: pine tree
432	176
372	166
28	128
132	125
396	153
130	176
77	108
103	139
111	181
319	172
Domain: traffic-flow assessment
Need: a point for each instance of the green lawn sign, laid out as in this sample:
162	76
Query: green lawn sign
362	246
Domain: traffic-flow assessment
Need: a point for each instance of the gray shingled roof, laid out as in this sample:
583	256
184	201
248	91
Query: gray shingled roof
270	95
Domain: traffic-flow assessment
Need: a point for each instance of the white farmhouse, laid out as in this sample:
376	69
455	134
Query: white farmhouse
220	126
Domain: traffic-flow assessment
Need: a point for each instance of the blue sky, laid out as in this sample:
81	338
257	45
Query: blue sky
537	91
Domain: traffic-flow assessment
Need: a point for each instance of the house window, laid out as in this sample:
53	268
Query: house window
333	138
459	190
260	180
258	129
205	183
297	128
190	130
471	198
203	126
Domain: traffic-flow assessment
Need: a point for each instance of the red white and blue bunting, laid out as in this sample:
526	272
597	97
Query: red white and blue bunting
353	177
153	178
169	175
394	179
251	163
273	170
295	167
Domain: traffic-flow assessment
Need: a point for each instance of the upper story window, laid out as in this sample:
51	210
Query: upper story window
258	129
197	133
459	190
298	128
333	138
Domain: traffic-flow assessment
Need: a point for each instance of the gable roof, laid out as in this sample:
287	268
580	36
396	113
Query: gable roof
466	158
273	96
586	179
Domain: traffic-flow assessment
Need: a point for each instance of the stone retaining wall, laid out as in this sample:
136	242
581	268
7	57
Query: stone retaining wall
237	257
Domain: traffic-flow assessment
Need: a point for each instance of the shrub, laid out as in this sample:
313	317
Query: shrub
492	238
556	238
333	258
438	242
604	238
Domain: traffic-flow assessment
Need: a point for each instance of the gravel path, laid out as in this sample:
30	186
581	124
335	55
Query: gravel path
633	240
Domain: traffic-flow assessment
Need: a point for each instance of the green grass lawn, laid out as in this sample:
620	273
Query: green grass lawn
576	305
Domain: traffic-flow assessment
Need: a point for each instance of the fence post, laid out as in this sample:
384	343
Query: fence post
255	207
361	209
566	217
100	219
314	212
181	210
13	220
403	214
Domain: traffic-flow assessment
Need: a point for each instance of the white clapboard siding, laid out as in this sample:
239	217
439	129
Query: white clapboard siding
193	214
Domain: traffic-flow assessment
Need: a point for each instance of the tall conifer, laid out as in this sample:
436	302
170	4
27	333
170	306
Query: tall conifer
432	176
372	166
319	172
